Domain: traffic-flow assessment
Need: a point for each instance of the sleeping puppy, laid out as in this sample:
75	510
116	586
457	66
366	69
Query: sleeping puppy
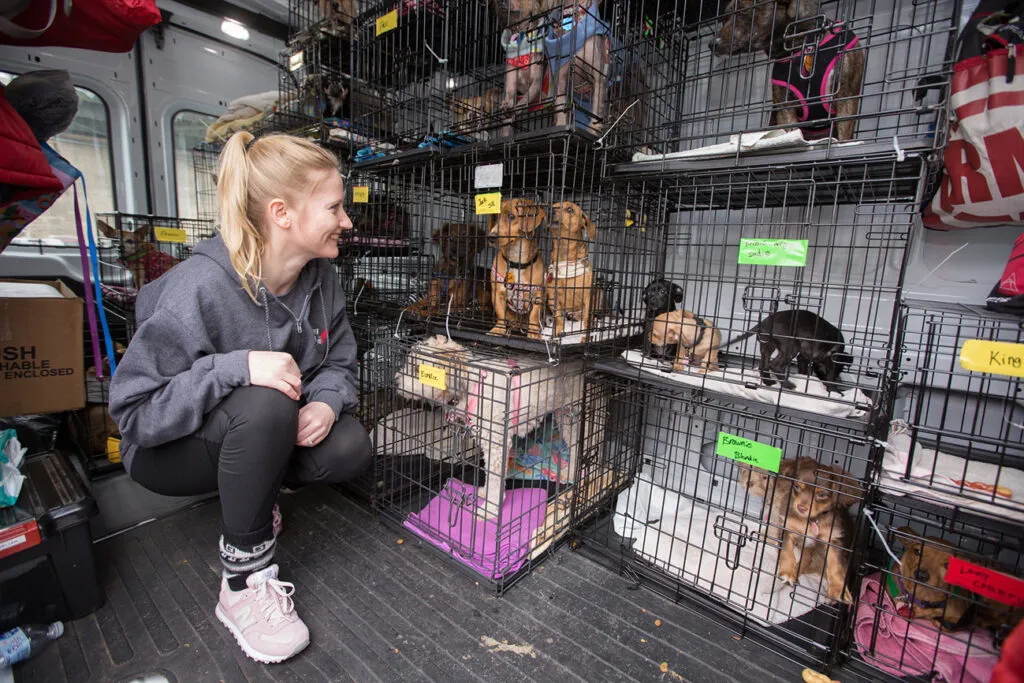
774	489
695	338
813	342
819	529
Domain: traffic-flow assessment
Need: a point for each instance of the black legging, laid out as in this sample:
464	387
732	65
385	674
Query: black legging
246	450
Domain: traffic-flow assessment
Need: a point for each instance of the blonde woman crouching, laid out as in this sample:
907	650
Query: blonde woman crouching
242	374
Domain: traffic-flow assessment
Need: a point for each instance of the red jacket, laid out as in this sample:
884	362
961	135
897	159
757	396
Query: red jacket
1010	668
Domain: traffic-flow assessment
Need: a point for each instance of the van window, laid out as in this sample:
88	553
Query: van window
86	145
188	129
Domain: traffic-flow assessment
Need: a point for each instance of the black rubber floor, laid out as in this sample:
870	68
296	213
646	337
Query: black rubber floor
383	610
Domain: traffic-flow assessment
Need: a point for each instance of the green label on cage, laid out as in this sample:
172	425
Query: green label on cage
758	252
749	452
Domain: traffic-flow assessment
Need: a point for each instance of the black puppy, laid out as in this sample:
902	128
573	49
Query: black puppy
816	345
661	296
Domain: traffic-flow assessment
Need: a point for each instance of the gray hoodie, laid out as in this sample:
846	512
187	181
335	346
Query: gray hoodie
195	328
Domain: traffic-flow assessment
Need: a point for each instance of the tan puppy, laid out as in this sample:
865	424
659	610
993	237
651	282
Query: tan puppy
762	483
570	277
696	339
517	274
921	577
818	526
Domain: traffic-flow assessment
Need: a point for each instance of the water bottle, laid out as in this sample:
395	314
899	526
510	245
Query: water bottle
24	642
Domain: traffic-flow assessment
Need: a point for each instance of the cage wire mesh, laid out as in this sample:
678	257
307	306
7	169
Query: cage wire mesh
836	71
320	19
956	435
554	264
768	548
918	616
205	159
476	449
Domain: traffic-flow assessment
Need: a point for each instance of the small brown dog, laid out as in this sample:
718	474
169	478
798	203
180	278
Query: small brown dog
523	45
696	339
471	111
139	253
456	278
517	275
921	579
834	68
819	530
570	278
762	483
338	12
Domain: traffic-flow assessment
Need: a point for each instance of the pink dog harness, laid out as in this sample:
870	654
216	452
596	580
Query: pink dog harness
518	295
808	75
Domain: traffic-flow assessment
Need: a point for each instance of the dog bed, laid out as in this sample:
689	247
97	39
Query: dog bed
950	479
453	522
814	398
757	142
680	536
913	647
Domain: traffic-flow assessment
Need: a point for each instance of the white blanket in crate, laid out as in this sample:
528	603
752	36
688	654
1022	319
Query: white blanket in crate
756	142
615	328
811	394
947	478
676	534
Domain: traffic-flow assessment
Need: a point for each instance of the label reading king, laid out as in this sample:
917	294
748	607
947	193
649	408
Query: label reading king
165	234
749	452
488	203
758	252
997	358
433	377
388	22
360	195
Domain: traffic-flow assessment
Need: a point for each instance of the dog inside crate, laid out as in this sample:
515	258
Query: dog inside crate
772	540
928	605
480	459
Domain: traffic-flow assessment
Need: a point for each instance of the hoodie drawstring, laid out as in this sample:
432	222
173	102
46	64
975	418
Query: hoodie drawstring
266	316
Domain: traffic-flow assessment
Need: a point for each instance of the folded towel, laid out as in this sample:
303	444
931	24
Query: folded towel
747	143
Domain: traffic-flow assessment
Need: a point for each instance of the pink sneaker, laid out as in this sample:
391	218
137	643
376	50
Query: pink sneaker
278	520
262	617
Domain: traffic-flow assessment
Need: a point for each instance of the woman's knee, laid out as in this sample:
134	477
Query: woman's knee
342	456
263	410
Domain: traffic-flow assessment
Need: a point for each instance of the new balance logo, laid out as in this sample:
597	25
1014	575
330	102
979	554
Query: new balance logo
244	618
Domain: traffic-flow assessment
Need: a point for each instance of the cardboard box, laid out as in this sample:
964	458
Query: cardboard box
41	355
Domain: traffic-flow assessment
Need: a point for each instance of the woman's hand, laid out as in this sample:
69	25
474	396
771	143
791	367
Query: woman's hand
315	422
277	371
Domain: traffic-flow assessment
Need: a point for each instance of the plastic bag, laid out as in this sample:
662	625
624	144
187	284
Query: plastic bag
12	453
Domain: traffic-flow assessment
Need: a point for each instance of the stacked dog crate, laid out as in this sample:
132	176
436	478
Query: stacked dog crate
769	369
509	270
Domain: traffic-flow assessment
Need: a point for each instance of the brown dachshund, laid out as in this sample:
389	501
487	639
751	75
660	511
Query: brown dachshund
570	278
764	484
517	275
456	279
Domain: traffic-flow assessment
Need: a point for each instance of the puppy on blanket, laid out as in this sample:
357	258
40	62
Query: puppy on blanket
494	398
695	339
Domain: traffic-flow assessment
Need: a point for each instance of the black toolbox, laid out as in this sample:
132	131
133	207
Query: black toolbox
47	568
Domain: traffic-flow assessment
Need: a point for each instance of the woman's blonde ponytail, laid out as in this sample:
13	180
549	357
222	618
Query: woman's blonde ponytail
253	172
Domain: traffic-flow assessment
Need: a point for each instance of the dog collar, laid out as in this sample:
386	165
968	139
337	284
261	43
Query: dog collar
898	591
515	265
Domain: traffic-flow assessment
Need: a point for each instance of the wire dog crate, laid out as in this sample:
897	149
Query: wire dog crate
476	449
957	439
926	610
321	19
722	498
780	282
552	264
205	158
831	72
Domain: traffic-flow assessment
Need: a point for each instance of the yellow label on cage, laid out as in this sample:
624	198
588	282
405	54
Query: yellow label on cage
995	358
360	195
433	377
296	61
113	450
164	234
388	22
749	452
488	203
